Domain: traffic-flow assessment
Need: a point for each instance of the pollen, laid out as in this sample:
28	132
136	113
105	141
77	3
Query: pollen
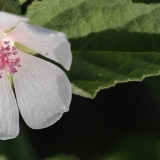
9	61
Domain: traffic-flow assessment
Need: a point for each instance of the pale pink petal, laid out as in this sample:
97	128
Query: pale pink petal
51	44
9	20
43	91
9	114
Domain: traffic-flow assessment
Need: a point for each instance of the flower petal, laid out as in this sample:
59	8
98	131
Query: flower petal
9	20
9	114
43	91
51	44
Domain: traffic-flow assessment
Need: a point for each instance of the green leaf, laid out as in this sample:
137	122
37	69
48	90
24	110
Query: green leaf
10	6
105	69
113	41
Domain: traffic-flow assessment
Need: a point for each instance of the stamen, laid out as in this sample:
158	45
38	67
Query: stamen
6	42
8	61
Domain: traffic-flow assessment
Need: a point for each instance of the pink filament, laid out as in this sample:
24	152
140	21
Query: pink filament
10	64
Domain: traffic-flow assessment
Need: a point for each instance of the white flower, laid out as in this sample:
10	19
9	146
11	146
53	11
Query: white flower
43	91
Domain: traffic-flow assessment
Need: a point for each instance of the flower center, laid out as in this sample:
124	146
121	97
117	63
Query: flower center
8	58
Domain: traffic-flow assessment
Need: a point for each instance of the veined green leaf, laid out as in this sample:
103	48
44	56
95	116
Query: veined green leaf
105	69
113	41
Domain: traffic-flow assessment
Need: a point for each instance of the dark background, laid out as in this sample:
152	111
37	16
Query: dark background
94	127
